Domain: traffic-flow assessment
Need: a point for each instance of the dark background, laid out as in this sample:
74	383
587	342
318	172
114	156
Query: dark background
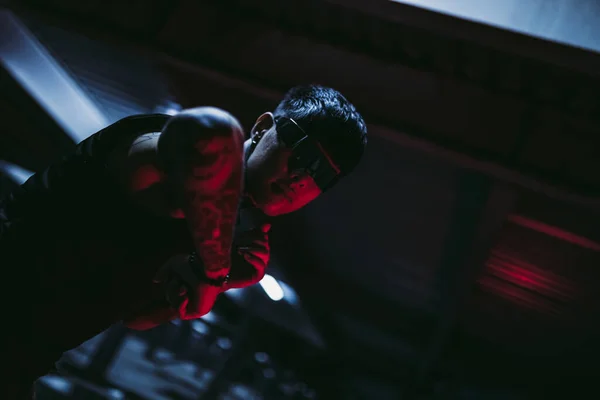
460	261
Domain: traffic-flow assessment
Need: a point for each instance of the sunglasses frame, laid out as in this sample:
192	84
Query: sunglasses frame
283	125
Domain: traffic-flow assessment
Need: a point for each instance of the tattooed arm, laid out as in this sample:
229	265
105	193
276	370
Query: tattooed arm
202	154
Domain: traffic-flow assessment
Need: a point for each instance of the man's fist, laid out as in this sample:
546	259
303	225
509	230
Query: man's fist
192	297
184	291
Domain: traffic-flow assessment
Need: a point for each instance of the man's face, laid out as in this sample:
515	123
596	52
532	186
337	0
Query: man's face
270	184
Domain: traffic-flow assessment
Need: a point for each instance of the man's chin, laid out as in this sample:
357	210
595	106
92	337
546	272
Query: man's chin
274	210
271	212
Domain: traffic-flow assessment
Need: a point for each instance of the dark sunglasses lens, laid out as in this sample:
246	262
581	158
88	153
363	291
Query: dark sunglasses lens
307	157
289	133
324	175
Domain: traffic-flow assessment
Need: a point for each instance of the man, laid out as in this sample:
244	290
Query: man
138	224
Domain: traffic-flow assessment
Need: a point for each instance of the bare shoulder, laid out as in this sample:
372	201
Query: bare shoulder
206	118
194	124
134	151
187	135
135	166
181	135
134	162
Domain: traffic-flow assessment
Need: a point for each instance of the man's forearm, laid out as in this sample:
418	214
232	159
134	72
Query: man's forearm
212	190
211	220
202	153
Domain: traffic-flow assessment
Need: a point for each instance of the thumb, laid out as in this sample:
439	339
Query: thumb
265	228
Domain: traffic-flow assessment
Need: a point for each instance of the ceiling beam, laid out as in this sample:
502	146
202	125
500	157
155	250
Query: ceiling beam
555	231
450	26
15	173
167	53
482	207
43	78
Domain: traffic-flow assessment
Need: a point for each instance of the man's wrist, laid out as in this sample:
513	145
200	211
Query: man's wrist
218	278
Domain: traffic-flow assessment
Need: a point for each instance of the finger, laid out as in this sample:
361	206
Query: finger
181	310
259	250
182	290
256	247
260	242
265	228
250	276
260	254
202	301
190	309
252	234
172	293
258	263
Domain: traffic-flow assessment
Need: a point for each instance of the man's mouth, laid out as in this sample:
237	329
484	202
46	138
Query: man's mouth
282	190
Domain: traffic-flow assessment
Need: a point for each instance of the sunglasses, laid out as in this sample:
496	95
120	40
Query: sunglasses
308	156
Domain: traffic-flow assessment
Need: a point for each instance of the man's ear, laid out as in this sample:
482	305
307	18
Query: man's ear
262	124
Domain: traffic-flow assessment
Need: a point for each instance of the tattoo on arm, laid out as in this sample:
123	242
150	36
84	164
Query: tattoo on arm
213	187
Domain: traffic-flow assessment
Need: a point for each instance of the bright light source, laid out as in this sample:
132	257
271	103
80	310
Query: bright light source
171	111
16	173
210	317
45	80
59	384
169	108
235	294
272	288
290	294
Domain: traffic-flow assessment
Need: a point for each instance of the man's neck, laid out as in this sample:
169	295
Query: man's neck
246	199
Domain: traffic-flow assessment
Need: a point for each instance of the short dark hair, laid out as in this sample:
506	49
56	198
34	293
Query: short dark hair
325	114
